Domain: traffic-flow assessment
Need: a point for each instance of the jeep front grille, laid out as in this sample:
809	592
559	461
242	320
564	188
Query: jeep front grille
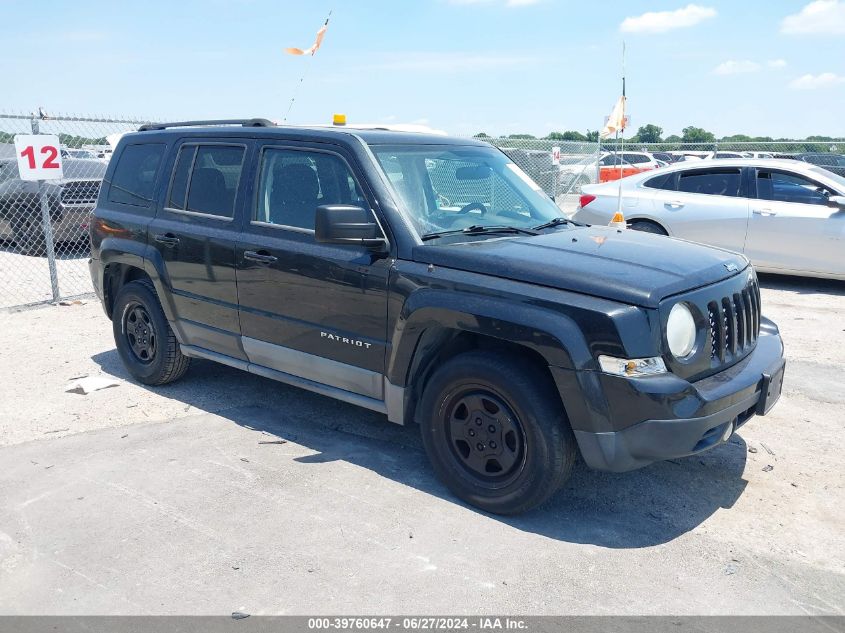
734	323
80	192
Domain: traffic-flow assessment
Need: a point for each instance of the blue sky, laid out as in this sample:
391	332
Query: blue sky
503	66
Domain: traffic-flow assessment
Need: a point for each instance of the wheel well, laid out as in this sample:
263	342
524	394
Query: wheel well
437	346
650	221
115	276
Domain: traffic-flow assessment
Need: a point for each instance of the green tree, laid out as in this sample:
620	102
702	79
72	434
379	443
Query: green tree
673	138
736	138
527	137
649	133
572	135
569	135
482	135
697	135
592	136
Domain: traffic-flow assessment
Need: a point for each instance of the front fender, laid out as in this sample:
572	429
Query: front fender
554	336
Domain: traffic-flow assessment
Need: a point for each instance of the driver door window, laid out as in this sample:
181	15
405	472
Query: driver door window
293	183
783	187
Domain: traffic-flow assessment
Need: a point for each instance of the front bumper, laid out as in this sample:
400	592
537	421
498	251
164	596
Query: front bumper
684	418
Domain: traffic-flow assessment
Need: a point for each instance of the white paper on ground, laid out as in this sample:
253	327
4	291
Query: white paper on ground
89	384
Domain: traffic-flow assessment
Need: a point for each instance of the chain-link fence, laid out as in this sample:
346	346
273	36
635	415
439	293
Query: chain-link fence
44	224
560	168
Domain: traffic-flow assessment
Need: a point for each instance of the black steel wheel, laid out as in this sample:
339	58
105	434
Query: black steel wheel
485	435
140	332
495	431
146	343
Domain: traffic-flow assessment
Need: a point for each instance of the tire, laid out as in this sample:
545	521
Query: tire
146	343
29	238
523	432
647	226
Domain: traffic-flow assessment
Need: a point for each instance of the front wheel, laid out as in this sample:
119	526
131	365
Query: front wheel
29	237
495	432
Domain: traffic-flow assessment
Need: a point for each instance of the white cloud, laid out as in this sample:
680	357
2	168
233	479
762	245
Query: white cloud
812	82
823	17
662	21
732	67
776	63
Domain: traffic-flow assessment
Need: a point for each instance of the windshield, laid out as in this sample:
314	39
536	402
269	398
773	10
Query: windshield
446	188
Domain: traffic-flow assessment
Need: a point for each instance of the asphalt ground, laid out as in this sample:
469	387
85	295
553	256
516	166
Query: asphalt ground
133	500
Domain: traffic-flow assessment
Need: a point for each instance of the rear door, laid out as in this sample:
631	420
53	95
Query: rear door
316	311
706	205
195	232
792	227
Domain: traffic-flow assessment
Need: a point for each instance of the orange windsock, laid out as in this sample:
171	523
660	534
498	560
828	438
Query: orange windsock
314	47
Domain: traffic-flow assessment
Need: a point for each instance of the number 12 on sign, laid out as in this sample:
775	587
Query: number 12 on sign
39	157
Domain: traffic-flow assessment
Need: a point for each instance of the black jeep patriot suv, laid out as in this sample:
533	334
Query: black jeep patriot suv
428	278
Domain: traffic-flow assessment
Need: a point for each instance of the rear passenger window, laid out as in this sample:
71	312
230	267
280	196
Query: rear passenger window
664	181
293	183
134	178
714	182
205	179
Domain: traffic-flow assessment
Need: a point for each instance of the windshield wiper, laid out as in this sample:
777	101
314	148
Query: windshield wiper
555	222
478	229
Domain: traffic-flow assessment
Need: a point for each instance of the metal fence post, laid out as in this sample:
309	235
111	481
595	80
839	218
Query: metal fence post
47	227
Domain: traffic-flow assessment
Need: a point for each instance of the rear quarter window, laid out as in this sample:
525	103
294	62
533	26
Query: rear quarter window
664	181
135	175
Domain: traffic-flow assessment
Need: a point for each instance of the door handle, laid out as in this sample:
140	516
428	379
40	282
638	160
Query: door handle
168	239
764	212
260	257
675	204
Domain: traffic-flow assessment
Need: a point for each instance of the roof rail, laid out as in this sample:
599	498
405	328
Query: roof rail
243	122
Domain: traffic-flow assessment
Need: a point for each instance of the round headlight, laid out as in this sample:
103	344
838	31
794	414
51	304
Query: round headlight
680	331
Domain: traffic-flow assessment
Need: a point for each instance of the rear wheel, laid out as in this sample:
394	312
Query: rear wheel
146	343
647	226
495	432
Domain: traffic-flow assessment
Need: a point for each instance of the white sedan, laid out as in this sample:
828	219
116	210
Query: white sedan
786	217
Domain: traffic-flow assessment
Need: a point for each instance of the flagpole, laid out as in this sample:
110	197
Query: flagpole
304	74
621	147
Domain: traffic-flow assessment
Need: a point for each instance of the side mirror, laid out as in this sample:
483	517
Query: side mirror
837	201
346	224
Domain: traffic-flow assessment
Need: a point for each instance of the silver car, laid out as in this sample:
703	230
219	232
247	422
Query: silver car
785	216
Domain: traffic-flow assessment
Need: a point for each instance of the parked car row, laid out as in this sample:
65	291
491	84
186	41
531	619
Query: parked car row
786	216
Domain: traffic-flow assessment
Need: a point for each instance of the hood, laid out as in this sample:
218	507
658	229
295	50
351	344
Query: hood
628	266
